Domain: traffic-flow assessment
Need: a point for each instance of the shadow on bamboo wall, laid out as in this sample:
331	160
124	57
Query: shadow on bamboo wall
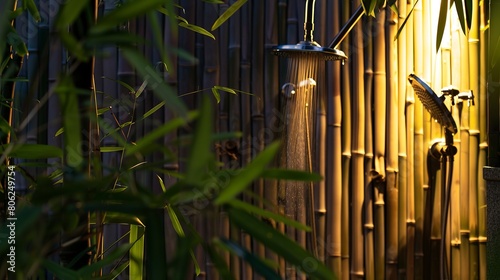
376	214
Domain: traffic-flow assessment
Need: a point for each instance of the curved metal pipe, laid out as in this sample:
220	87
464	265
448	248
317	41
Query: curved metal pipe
309	21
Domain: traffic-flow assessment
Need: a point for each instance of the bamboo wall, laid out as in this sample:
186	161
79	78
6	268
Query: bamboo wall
377	212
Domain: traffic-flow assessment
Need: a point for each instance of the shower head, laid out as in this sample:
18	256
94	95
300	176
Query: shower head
305	48
432	103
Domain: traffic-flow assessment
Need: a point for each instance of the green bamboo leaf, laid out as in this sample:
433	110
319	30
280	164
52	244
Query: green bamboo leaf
216	94
103	110
459	7
122	83
4	126
197	29
258	265
67	94
228	13
127	11
69	12
153	110
32	9
406	19
443	13
267	214
247	175
155	82
294	175
156	134
141	89
34	151
111	149
226	89
119	218
369	7
16	42
111	257
200	150
136	266
175	221
60	271
280	244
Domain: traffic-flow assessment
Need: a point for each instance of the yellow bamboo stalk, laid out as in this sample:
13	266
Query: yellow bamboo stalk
358	152
415	264
400	264
483	145
473	55
368	162
392	150
346	153
334	190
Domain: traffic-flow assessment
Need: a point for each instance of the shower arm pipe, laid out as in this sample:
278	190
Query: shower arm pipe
347	27
309	21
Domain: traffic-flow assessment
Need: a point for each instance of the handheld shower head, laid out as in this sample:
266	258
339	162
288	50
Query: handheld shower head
433	104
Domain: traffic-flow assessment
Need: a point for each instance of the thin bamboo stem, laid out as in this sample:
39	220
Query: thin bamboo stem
346	154
358	152
398	266
368	161
482	157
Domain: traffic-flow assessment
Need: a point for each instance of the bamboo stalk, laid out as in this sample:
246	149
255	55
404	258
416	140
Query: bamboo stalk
358	152
346	152
368	156
481	103
334	165
398	264
473	56
415	261
271	112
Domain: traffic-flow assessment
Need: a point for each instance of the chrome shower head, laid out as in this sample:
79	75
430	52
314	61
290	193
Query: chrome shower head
433	104
307	48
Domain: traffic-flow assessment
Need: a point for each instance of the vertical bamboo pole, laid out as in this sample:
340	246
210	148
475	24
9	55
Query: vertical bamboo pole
473	56
463	187
273	117
380	114
334	173
368	155
392	190
398	265
358	151
346	151
415	260
483	145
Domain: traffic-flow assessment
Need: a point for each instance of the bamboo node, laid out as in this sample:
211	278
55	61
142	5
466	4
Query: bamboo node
464	232
320	211
455	242
473	239
369	226
411	222
482	239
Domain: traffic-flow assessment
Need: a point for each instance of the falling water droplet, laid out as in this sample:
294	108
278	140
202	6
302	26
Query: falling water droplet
343	62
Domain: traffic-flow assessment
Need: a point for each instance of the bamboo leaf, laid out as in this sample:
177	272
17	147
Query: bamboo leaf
258	265
293	175
155	82
216	95
443	13
35	151
71	122
136	266
159	132
69	13
459	7
175	221
111	149
127	11
226	89
87	271
32	9
404	22
280	244
247	175
153	110
16	42
267	214
60	271
228	13
200	153
197	29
